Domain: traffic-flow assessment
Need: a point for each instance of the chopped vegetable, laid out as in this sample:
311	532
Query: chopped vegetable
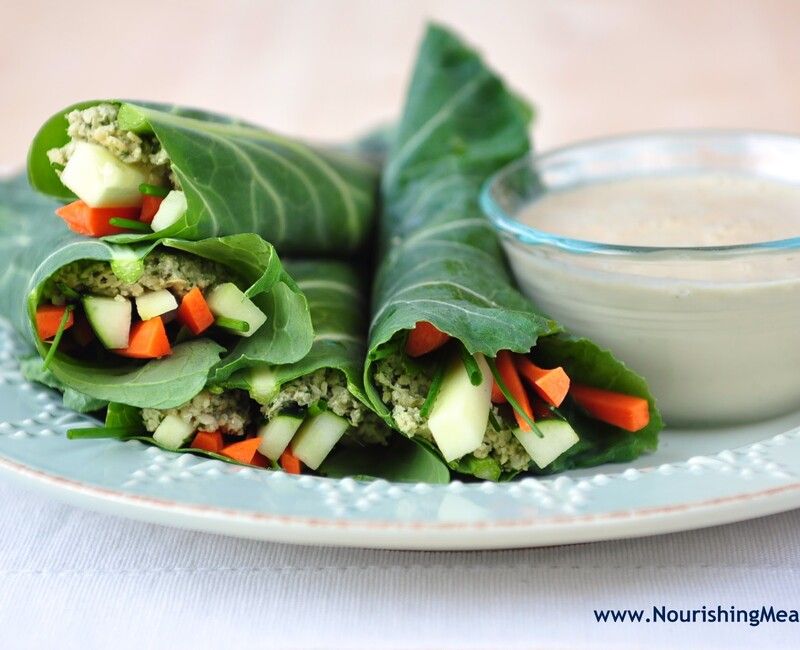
208	441
150	206
172	208
156	191
471	366
424	338
551	385
129	224
497	394
94	222
277	434
624	411
246	452
62	325
459	416
557	436
101	179
290	463
508	372
194	312
110	319
148	340
173	432
86	433
228	301
232	324
155	303
48	320
317	437
433	391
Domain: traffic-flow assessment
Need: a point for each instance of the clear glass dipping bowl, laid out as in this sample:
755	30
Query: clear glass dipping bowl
716	330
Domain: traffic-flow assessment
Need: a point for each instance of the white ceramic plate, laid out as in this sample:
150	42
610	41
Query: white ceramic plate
696	479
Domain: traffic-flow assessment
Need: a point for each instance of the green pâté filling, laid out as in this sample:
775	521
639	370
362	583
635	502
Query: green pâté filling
175	271
234	413
98	125
403	388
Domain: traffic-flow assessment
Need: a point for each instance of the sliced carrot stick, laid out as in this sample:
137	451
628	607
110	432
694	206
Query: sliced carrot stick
497	394
246	451
290	463
424	338
505	366
150	205
208	441
624	411
86	220
551	385
48	319
194	312
148	340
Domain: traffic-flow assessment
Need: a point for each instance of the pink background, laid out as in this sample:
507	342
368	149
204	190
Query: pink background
331	69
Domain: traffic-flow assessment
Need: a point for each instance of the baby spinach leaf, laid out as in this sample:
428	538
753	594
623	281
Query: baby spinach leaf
239	178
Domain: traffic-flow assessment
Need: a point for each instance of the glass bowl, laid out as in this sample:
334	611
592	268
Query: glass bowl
714	330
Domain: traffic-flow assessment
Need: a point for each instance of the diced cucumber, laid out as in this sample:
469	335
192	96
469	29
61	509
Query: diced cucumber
172	208
173	432
102	180
277	434
317	438
110	319
559	436
263	384
154	303
228	301
461	411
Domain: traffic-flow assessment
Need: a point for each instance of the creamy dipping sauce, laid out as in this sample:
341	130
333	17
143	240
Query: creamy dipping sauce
716	335
709	209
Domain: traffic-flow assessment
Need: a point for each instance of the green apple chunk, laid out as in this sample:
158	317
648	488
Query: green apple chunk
557	437
228	301
460	414
172	208
100	179
155	303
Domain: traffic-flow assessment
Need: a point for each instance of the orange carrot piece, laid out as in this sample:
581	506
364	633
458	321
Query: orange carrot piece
290	463
48	318
505	366
86	220
194	312
246	451
150	205
497	394
424	338
551	385
208	441
148	340
624	411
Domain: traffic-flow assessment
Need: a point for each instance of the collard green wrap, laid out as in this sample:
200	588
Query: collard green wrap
34	247
442	263
239	178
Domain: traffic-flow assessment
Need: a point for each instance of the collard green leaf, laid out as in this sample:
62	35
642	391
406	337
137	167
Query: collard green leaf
34	247
586	363
441	261
240	178
403	460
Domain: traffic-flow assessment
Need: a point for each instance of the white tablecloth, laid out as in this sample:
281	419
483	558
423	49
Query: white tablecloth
74	579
